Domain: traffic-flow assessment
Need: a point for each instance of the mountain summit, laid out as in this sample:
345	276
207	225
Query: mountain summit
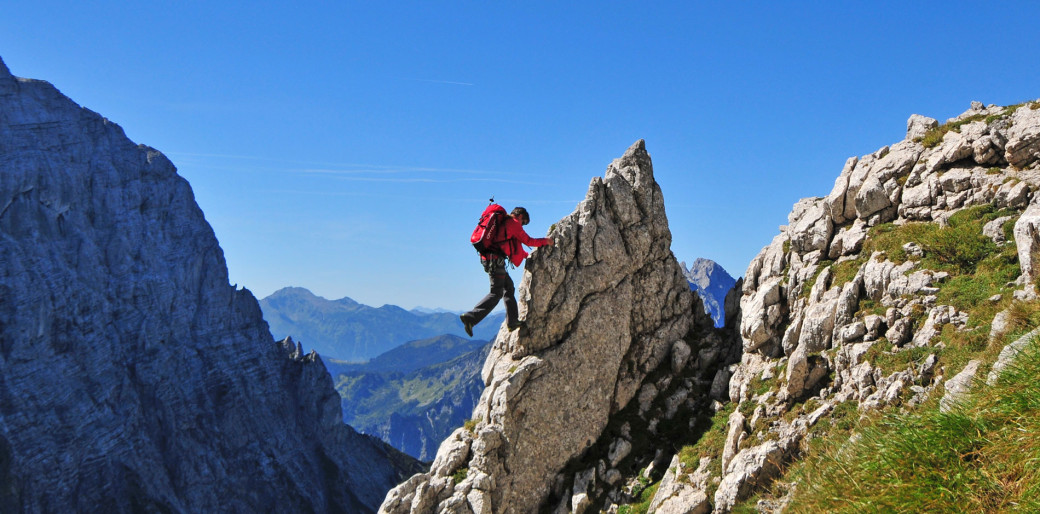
609	316
347	330
712	283
134	377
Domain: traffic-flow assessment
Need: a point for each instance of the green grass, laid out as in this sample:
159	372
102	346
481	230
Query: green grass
957	248
977	270
981	457
646	497
807	287
934	136
844	271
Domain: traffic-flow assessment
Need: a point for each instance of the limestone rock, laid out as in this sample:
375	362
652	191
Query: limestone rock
794	314
871	198
1027	238
810	225
677	496
958	386
1008	355
735	432
1023	145
604	307
917	126
135	377
751	468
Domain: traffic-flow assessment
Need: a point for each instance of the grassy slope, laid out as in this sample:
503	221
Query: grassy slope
979	458
982	456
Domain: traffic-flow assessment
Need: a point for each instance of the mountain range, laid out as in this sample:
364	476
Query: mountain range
415	395
347	330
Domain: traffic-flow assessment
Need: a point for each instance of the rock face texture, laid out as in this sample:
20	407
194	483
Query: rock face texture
605	308
712	283
820	313
133	377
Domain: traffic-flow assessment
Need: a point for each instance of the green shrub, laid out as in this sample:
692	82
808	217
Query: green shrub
460	475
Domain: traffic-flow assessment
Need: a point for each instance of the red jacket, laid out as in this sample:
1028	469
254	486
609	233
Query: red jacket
515	235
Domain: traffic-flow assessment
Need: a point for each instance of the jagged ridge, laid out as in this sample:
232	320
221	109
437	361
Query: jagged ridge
605	307
134	377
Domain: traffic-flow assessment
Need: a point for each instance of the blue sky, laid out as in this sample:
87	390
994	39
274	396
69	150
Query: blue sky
349	147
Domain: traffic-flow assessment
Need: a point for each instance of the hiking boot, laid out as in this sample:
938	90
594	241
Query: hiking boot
514	326
467	324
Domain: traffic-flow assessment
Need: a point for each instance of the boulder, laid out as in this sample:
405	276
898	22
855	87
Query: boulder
1023	144
1008	355
917	126
685	495
1027	239
959	386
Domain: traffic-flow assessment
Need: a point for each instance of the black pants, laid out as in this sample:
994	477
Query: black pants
501	287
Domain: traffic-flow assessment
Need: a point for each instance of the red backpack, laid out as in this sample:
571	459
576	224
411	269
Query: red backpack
488	234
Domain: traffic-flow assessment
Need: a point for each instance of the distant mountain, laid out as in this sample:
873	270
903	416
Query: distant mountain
133	376
409	356
433	310
409	406
711	282
347	330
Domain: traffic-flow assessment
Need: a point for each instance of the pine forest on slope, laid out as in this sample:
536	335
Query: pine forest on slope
413	396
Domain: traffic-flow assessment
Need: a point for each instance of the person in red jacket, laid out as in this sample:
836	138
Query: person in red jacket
494	263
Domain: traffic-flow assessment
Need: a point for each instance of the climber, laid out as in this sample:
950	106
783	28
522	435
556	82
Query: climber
508	247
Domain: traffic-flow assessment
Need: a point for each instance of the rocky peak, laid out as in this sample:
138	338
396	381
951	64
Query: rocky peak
819	305
712	283
8	82
135	377
604	307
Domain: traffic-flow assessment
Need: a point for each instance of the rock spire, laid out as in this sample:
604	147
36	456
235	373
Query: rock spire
603	308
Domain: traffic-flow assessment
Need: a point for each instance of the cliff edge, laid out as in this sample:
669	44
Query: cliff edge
133	377
605	307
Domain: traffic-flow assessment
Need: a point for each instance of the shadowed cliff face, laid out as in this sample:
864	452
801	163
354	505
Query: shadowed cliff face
604	307
132	375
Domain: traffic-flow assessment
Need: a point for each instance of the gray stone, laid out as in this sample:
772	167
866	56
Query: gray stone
750	468
871	198
734	433
900	332
1008	355
917	126
810	225
135	377
677	496
959	386
605	306
1023	145
1027	238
